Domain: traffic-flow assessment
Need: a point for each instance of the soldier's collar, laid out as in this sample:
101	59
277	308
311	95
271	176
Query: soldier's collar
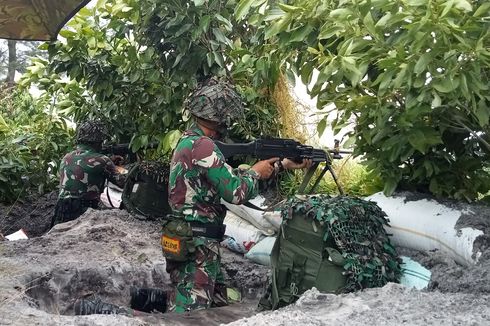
195	130
85	147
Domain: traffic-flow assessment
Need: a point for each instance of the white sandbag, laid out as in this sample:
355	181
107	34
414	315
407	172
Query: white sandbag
261	252
428	225
253	216
245	235
234	246
111	194
274	218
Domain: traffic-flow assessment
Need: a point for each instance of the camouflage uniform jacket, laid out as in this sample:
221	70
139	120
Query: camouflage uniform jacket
84	172
200	177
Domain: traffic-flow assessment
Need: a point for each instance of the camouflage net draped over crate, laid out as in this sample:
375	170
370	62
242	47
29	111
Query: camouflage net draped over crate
334	244
145	193
357	228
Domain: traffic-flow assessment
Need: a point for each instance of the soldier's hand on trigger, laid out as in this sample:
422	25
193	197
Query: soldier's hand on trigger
291	165
265	168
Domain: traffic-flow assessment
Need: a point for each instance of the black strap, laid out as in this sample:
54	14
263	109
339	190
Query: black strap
208	230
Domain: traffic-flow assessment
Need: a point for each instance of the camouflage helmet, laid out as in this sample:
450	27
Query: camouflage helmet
91	131
215	100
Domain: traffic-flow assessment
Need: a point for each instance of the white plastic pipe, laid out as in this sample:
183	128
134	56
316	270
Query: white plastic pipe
428	225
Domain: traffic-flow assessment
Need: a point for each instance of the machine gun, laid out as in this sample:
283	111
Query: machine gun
123	149
288	148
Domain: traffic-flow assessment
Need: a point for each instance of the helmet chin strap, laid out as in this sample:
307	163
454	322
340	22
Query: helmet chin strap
219	130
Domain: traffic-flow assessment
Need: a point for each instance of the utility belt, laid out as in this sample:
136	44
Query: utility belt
178	237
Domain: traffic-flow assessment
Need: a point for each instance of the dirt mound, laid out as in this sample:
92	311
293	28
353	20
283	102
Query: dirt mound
102	253
392	304
32	214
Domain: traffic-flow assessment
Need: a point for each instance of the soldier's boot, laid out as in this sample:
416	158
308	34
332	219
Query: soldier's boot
148	299
95	305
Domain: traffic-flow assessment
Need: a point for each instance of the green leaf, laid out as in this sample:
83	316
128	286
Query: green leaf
463	5
278	26
448	6
226	23
483	113
218	58
198	3
422	62
446	85
390	186
417	140
243	8
384	20
246	58
321	127
341	13
204	24
416	3
436	102
171	139
300	33
220	37
483	10
288	8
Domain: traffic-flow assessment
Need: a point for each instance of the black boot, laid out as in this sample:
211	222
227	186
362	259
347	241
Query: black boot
95	305
148	299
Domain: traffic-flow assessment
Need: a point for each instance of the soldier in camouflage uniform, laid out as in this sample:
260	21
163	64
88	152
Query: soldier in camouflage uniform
83	173
199	179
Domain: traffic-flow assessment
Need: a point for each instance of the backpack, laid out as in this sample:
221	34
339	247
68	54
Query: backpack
145	193
336	245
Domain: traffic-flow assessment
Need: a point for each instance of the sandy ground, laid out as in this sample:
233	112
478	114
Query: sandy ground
105	252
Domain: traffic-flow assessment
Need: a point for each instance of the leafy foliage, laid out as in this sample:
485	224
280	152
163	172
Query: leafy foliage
132	63
31	143
413	74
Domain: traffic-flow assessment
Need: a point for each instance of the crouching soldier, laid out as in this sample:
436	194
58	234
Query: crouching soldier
83	173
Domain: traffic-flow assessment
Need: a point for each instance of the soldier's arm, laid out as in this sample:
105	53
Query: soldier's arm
232	187
112	175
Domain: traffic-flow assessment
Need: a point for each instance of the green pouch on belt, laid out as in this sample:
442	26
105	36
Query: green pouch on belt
177	241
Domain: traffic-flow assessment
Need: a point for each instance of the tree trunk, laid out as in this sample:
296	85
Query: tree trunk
12	62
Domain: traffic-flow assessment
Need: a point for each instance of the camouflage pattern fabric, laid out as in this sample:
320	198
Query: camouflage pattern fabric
84	172
198	283
215	100
34	20
200	177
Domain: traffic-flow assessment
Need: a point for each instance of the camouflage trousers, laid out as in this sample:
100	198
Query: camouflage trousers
199	282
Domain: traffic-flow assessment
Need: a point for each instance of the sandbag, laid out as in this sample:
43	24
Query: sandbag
261	252
414	274
253	216
243	234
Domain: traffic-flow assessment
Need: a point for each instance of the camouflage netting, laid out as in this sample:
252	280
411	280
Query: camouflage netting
91	131
215	100
357	227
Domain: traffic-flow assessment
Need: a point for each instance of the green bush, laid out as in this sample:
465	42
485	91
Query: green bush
33	140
